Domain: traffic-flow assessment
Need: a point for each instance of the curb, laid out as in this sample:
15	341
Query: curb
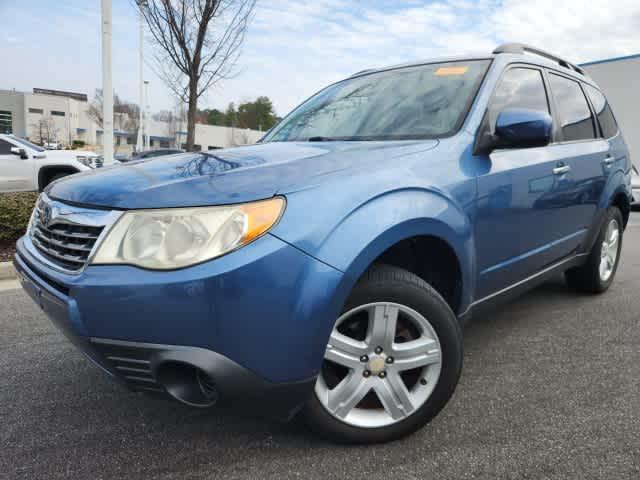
7	272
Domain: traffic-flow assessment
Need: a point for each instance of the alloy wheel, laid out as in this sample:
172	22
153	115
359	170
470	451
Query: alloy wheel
609	250
382	363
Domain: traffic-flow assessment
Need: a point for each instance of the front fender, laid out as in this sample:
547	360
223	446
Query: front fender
374	226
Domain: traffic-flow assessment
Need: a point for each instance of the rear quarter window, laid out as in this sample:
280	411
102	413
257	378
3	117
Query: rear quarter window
603	112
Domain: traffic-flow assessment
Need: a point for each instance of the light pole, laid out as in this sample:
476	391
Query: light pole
141	128
107	84
146	114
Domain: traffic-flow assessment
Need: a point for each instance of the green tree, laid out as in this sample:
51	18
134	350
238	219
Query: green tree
215	117
257	115
230	116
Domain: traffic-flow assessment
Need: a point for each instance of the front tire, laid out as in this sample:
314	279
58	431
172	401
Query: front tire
393	361
597	273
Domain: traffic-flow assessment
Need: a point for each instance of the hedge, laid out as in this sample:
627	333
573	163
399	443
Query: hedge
15	210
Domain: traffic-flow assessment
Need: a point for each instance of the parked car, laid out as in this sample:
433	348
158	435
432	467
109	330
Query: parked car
327	270
149	154
25	166
52	146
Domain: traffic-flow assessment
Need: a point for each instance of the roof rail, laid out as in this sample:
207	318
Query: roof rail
519	48
362	72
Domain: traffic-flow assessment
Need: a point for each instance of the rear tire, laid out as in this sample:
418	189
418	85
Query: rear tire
598	272
383	418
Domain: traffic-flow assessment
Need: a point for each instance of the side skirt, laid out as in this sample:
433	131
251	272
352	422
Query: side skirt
518	288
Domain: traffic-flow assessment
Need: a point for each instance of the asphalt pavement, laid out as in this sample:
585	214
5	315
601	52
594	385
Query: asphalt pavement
550	389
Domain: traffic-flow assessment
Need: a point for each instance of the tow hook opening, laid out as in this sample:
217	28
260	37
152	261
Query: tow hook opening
187	384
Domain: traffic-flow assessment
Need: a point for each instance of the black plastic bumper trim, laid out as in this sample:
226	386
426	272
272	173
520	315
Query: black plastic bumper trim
236	384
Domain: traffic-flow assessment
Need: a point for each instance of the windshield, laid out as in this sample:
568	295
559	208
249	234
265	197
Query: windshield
426	101
28	144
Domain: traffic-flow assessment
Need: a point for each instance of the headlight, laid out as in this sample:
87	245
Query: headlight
179	237
86	161
33	215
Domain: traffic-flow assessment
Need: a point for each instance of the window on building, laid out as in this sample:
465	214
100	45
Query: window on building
603	112
213	147
130	140
519	88
573	110
197	148
57	113
6	122
5	147
39	111
164	143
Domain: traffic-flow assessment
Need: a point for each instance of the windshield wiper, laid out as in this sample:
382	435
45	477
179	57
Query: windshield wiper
337	139
321	139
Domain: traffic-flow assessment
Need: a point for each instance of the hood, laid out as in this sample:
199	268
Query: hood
67	154
227	176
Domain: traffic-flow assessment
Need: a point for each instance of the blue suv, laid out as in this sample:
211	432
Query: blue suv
327	270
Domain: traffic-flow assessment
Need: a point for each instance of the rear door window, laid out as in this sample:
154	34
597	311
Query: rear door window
574	114
603	112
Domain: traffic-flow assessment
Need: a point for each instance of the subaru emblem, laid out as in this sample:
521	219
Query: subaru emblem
45	214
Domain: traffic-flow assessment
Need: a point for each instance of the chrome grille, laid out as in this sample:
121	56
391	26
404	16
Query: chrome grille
62	242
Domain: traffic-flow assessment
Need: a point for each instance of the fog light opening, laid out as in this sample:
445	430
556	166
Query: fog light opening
187	384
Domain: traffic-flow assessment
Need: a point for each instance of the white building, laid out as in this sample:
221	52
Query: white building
208	137
619	79
46	115
56	116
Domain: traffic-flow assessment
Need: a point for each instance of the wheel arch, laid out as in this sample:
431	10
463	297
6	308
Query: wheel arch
621	200
48	171
419	218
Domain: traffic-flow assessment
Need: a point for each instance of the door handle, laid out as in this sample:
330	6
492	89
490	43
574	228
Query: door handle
609	160
561	170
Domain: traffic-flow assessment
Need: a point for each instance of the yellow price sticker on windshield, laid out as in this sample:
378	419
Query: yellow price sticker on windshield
446	71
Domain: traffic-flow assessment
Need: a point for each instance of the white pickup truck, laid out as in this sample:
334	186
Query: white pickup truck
25	166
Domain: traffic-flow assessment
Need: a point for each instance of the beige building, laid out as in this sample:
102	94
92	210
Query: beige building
55	116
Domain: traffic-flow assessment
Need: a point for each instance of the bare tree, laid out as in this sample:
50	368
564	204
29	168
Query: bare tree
45	130
126	115
198	44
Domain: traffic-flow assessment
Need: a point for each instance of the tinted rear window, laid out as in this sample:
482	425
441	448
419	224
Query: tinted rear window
603	112
575	116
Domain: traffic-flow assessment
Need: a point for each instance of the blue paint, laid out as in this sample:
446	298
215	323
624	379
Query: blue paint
521	128
533	252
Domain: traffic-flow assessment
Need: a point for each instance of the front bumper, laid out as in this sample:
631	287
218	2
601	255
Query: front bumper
257	319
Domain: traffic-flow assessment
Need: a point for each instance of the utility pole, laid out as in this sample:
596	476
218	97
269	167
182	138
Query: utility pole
146	114
107	84
141	128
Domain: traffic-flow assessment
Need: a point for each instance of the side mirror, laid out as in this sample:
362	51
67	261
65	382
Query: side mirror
21	152
521	128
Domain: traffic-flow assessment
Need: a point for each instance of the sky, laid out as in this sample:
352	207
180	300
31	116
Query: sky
294	48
